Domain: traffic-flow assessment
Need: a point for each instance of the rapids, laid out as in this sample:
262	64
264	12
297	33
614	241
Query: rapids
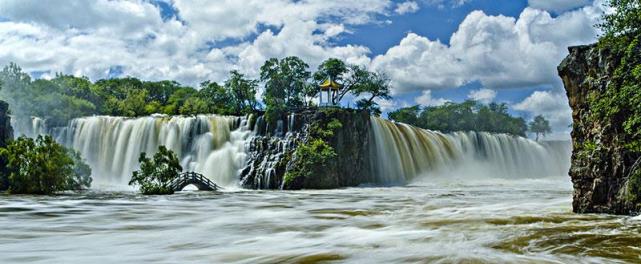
443	221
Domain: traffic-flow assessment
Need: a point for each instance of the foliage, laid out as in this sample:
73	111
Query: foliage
316	154
621	99
155	175
66	97
540	126
466	116
625	21
42	166
81	179
375	85
285	85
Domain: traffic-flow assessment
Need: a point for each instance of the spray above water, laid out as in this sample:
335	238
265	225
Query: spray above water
403	153
208	144
217	147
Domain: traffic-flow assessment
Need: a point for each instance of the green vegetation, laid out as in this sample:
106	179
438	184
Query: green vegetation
621	99
466	116
42	166
316	154
540	126
288	86
155	175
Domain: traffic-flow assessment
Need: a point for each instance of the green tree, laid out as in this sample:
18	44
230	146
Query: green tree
374	86
219	101
155	175
81	178
285	85
40	166
242	92
407	115
540	126
624	22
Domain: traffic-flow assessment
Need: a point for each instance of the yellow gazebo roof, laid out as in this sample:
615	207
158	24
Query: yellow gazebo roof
330	84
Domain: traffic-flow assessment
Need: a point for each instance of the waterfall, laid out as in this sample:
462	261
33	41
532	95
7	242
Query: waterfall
28	126
403	153
208	144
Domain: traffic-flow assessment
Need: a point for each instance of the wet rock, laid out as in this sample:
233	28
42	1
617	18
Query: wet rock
601	165
272	152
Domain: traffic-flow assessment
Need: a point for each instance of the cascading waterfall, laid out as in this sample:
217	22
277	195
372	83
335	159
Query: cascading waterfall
403	153
208	144
217	147
28	126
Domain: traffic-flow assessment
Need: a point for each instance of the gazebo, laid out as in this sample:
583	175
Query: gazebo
331	87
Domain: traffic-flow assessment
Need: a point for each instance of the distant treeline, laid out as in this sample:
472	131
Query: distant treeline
288	85
466	116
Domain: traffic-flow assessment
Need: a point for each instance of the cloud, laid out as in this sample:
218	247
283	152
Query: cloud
426	99
407	7
558	5
553	106
485	96
201	41
497	51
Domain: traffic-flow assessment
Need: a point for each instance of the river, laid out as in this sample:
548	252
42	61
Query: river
440	221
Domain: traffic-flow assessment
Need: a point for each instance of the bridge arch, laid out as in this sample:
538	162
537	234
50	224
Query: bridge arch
192	178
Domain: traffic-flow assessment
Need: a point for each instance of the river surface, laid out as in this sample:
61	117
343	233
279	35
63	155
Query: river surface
471	221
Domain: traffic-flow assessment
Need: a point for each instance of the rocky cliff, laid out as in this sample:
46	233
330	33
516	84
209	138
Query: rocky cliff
605	167
321	149
6	134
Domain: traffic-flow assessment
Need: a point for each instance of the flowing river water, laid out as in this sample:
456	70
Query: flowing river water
466	221
459	198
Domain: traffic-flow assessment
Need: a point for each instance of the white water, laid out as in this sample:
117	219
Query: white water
216	146
209	144
404	153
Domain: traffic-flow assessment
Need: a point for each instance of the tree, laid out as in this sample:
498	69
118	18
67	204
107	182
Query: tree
81	179
625	21
155	175
407	115
242	92
540	126
375	85
42	166
285	85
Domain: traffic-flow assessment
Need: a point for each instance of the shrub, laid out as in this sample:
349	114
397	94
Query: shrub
155	175
42	166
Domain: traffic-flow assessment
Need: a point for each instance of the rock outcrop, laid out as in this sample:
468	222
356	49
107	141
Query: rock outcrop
6	134
272	153
602	166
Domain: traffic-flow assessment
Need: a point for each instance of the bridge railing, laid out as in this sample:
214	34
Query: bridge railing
193	177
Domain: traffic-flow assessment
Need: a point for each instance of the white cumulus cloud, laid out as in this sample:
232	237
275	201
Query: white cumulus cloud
558	5
497	51
407	7
485	96
426	99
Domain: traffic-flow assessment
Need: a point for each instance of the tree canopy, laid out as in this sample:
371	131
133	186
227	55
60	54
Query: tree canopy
466	116
155	175
42	166
288	86
540	126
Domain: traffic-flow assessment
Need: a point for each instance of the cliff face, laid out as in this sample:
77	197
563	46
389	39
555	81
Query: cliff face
602	167
6	134
273	155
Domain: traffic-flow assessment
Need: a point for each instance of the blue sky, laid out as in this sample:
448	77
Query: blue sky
433	50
